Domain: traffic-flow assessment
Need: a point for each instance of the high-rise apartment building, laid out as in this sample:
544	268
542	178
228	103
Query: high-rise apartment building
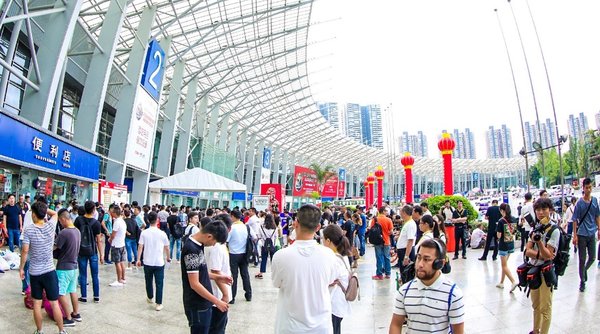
331	113
499	142
547	132
365	125
352	116
415	144
578	126
376	130
597	117
465	144
361	123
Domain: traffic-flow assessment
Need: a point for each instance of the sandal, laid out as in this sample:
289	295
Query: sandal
260	276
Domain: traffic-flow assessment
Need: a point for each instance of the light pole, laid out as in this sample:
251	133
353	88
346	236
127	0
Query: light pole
539	149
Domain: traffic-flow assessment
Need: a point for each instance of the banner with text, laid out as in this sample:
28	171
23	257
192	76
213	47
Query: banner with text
342	183
265	174
276	193
305	181
330	189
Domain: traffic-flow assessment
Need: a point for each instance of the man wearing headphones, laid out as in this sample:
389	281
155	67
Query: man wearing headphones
436	303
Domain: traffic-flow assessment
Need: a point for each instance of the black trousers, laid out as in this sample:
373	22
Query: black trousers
488	242
218	322
337	324
587	255
239	264
524	238
459	236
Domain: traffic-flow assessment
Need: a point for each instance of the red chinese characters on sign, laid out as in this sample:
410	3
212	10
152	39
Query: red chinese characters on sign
305	181
276	195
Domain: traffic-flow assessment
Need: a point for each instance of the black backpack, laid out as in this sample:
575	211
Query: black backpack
561	260
376	234
188	232
251	253
178	230
269	245
87	247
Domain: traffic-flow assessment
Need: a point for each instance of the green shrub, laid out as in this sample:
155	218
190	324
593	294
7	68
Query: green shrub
437	202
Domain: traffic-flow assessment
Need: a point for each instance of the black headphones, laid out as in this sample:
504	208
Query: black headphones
439	262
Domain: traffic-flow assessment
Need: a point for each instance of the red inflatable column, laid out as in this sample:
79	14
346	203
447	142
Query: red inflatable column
371	181
408	161
367	194
446	146
379	174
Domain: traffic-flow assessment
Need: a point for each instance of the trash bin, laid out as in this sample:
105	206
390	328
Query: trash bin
450	238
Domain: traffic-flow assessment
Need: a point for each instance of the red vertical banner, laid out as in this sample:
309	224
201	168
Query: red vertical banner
330	188
276	193
48	186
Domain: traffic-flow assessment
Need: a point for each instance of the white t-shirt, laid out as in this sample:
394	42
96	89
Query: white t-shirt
476	237
552	241
303	272
528	207
238	235
264	233
120	227
154	241
340	307
408	232
426	236
254	223
28	220
217	258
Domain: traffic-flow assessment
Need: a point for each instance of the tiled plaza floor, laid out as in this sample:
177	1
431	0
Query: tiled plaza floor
488	309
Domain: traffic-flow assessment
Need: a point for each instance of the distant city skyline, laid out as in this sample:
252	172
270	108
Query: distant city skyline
362	123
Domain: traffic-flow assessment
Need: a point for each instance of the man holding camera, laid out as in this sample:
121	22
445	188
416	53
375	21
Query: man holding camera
586	224
539	249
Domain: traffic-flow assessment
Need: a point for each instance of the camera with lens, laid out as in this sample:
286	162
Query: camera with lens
538	230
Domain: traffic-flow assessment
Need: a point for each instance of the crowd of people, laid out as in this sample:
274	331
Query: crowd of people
312	252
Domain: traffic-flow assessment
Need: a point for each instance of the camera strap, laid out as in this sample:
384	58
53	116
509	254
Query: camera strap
586	212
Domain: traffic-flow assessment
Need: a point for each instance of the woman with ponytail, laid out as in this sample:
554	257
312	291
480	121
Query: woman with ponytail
335	239
506	237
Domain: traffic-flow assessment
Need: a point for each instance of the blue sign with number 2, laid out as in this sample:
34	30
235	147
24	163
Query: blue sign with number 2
154	68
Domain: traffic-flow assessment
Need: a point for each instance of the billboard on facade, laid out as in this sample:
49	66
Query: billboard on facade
260	203
276	193
141	135
305	181
330	188
342	183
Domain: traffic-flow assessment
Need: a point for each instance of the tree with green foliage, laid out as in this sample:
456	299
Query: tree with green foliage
437	202
322	174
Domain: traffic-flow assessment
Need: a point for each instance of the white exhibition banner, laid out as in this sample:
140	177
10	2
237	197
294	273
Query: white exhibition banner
141	135
261	203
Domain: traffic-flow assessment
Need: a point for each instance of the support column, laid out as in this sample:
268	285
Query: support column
289	169
257	166
239	174
249	166
51	57
276	154
115	170
232	148
96	81
167	139
10	55
220	159
210	139
183	147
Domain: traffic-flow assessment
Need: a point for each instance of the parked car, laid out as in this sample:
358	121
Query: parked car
556	200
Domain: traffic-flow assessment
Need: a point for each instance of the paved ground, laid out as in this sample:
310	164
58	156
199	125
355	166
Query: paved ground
488	309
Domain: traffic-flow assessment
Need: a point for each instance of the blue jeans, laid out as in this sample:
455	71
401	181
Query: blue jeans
382	255
199	320
218	321
175	242
83	264
362	247
13	239
158	273
131	246
263	259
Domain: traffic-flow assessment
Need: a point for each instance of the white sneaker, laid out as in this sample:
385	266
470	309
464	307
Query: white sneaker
159	307
500	286
123	282
513	287
129	268
116	284
150	300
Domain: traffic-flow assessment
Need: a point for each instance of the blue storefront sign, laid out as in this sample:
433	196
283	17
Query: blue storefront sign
266	158
154	67
182	193
239	196
29	147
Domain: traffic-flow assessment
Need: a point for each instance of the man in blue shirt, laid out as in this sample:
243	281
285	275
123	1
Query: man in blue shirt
586	224
361	231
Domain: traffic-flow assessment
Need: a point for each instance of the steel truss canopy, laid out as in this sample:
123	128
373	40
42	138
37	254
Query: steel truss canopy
250	59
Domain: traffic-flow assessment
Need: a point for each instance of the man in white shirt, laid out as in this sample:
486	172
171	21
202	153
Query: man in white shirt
527	210
117	249
477	237
254	223
237	239
153	245
406	240
303	273
217	261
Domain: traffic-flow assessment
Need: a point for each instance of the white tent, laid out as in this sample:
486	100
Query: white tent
197	179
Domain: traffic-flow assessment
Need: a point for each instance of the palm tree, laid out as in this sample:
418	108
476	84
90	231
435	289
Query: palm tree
322	174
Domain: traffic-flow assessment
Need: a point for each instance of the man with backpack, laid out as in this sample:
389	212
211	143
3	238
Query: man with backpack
90	250
421	300
379	236
176	230
238	238
586	224
407	238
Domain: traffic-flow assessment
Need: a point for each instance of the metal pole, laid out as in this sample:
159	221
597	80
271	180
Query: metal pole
512	72
58	99
10	54
560	164
537	115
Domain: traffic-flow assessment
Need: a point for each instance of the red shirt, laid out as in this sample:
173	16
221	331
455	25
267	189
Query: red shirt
386	228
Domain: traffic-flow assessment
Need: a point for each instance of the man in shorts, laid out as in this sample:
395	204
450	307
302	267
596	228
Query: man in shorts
117	241
37	243
67	244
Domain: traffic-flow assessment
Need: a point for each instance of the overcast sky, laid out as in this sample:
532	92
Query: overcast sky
443	65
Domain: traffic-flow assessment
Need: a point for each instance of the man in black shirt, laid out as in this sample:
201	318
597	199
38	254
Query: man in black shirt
197	292
492	215
92	246
13	222
459	218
